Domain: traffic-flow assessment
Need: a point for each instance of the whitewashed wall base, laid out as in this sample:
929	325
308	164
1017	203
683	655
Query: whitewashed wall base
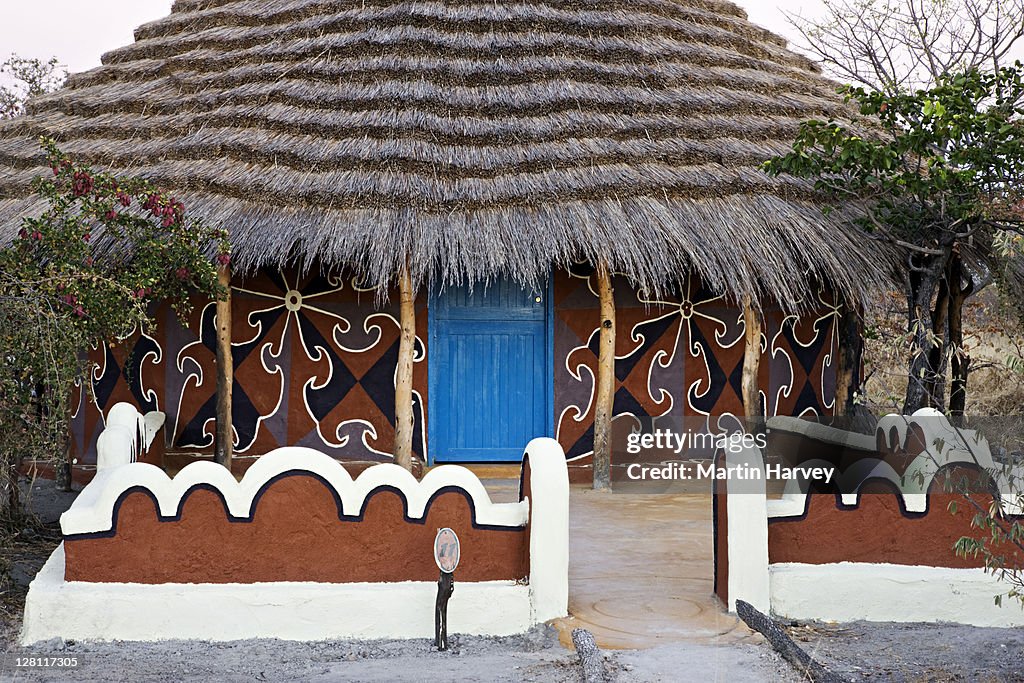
289	611
854	591
747	515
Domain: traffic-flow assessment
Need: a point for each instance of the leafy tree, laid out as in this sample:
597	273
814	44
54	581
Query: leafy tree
30	77
896	46
85	272
1000	538
935	174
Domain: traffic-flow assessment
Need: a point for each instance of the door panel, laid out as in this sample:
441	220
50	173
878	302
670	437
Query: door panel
489	373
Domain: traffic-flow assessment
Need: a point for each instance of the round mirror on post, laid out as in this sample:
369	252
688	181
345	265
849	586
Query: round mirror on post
446	550
446	555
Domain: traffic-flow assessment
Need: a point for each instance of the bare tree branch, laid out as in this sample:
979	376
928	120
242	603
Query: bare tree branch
894	45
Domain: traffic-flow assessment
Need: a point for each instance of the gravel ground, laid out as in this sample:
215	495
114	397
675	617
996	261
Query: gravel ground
869	651
857	652
534	656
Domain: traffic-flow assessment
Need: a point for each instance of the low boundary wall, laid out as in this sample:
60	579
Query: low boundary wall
884	553
298	549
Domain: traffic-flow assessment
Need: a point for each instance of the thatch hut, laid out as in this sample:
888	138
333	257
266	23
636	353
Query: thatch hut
481	175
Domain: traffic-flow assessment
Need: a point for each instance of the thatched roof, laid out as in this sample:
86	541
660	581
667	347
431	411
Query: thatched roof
482	138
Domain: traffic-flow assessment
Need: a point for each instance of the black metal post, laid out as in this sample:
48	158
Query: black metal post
445	588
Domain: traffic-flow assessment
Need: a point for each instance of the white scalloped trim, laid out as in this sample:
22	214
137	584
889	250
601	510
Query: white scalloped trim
93	511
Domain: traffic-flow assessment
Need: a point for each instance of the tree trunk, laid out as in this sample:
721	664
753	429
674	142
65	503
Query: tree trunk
921	373
10	494
63	474
591	658
937	355
752	363
851	354
404	421
605	399
225	373
960	361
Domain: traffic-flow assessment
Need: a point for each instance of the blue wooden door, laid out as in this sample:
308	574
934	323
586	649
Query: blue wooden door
490	374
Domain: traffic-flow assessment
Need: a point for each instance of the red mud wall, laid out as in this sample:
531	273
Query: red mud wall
877	530
295	535
720	521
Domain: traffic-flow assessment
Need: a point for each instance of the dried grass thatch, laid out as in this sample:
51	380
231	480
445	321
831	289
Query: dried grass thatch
480	138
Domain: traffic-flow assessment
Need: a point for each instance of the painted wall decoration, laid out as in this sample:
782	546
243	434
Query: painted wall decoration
682	356
314	366
829	531
315	361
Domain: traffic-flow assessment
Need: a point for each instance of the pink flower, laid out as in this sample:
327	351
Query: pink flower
82	183
152	204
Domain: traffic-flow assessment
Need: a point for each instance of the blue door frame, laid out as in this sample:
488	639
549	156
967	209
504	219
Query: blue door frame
471	419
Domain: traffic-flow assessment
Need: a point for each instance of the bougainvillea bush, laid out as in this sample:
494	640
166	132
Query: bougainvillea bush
86	272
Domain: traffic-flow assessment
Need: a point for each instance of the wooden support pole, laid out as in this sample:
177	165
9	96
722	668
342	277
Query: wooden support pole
403	376
225	372
605	399
751	361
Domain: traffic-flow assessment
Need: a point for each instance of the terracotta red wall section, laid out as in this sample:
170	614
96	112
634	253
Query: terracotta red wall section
295	534
720	520
877	530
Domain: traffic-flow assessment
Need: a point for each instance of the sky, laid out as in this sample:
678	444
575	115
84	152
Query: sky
78	32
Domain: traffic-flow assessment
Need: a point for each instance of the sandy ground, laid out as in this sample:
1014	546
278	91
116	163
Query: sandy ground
858	652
